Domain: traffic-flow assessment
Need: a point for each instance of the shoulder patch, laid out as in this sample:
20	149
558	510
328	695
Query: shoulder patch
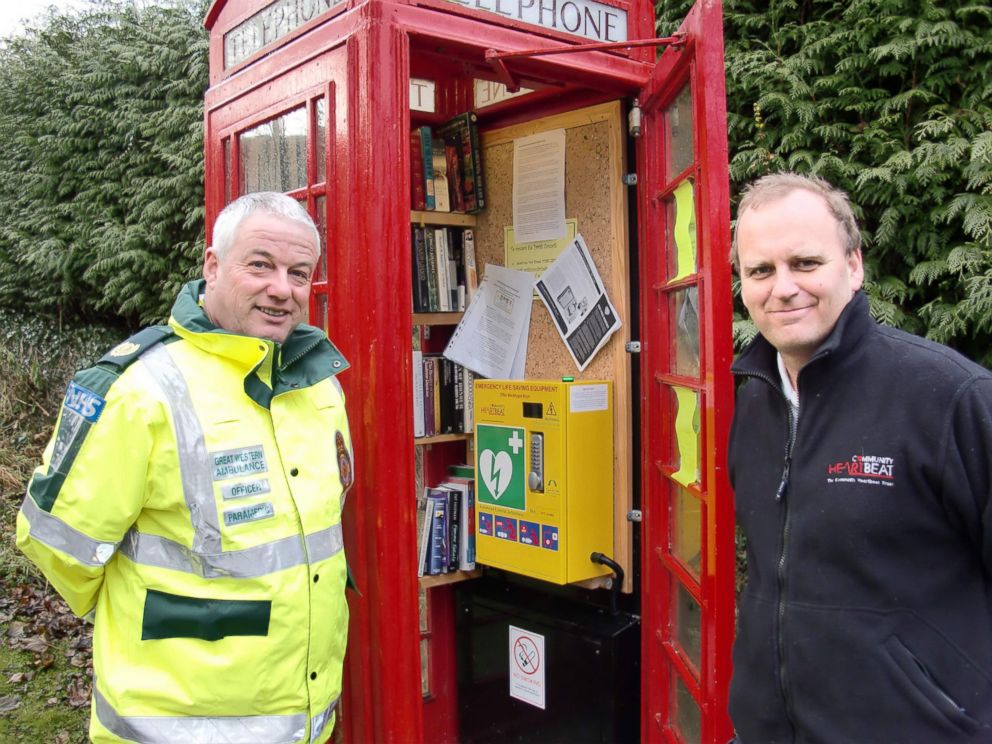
83	401
125	353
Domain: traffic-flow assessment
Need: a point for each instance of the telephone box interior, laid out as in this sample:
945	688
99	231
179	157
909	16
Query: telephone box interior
318	99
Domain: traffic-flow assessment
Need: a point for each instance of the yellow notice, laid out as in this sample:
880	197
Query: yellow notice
687	435
685	230
536	257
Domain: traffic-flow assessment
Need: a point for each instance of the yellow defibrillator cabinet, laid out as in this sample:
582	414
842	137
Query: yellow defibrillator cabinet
544	477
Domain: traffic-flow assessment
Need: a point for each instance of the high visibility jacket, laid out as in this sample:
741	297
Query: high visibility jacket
192	497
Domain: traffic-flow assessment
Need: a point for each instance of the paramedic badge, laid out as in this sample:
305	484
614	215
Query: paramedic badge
124	349
344	461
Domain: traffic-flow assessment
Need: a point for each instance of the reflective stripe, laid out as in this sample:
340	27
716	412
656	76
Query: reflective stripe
55	533
260	560
318	722
201	730
194	461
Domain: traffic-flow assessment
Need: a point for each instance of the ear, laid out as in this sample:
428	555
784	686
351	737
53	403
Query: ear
856	270
211	266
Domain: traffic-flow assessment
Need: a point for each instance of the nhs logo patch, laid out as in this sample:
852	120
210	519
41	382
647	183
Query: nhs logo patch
85	402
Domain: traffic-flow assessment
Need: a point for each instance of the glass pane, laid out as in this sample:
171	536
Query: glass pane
227	172
679	115
687	528
320	275
320	312
687	623
425	677
685	312
274	154
321	134
684	458
687	717
680	232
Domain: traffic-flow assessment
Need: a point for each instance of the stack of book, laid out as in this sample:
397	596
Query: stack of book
445	277
446	524
446	167
442	396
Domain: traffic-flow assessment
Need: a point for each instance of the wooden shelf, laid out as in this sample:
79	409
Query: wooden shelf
440	438
429	582
456	219
437	319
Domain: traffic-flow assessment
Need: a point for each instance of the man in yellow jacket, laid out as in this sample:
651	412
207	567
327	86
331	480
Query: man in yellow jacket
190	502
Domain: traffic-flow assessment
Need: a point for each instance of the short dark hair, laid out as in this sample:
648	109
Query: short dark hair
777	186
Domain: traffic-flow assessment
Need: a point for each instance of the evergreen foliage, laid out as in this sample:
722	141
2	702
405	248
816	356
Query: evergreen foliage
891	100
101	159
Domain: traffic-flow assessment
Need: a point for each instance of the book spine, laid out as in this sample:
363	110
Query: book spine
476	158
441	268
469	400
430	270
418	393
459	374
438	550
452	152
427	156
471	272
421	292
442	197
423	531
436	393
416	172
454	526
452	269
430	425
447	396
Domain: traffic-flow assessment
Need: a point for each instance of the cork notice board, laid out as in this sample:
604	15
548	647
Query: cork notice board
596	197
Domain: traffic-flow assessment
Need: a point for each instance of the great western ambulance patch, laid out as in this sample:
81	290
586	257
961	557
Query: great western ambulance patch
344	461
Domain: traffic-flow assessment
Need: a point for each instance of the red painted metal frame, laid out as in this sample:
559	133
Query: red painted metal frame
700	65
364	50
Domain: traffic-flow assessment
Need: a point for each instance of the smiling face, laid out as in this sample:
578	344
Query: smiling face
261	287
795	276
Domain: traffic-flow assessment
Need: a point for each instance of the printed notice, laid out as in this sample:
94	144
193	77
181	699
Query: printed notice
585	398
491	339
573	292
539	187
527	666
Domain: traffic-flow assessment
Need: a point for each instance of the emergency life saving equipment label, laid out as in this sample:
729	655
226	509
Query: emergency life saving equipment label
235	463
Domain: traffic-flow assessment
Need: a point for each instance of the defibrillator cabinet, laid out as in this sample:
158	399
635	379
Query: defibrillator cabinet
544	477
320	99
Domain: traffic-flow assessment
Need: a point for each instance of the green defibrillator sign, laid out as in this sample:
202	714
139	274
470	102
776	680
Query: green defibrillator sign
500	464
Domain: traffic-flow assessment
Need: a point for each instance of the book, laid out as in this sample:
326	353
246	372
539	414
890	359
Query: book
423	530
446	396
459	397
455	185
463	131
456	267
418	393
417	200
468	259
441	267
437	549
463	478
430	421
427	157
454	524
430	269
442	197
421	290
469	400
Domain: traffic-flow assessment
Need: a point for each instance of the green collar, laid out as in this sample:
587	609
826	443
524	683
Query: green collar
304	359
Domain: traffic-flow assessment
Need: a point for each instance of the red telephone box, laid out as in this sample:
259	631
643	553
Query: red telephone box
317	98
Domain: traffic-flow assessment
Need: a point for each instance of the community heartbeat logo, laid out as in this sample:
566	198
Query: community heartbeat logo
871	469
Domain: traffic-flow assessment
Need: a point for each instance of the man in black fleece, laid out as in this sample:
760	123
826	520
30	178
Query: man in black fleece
859	456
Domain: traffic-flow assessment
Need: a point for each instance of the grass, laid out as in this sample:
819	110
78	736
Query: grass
45	651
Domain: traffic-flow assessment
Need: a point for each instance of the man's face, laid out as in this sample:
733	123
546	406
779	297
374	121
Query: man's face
795	276
261	287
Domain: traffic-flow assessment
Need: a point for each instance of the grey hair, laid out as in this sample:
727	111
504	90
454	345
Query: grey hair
267	202
777	186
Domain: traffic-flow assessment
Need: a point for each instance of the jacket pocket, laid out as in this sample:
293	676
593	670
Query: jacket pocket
920	680
174	616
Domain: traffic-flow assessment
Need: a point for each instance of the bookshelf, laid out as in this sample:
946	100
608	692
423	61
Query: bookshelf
442	219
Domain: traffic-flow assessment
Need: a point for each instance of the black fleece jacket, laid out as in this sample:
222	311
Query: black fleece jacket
867	616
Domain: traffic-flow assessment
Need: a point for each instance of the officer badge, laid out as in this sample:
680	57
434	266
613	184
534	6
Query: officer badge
124	349
344	461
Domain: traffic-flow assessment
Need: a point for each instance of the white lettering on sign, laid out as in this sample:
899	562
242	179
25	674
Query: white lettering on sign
586	18
268	25
422	95
489	93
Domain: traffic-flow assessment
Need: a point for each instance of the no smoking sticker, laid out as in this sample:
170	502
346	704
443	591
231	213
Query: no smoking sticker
527	666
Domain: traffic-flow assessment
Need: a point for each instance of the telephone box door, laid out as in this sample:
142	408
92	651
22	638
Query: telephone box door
686	389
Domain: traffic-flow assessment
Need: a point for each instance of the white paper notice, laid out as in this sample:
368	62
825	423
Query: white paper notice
539	187
573	292
491	339
527	666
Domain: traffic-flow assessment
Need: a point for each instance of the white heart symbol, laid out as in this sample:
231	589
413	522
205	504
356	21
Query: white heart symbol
496	471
